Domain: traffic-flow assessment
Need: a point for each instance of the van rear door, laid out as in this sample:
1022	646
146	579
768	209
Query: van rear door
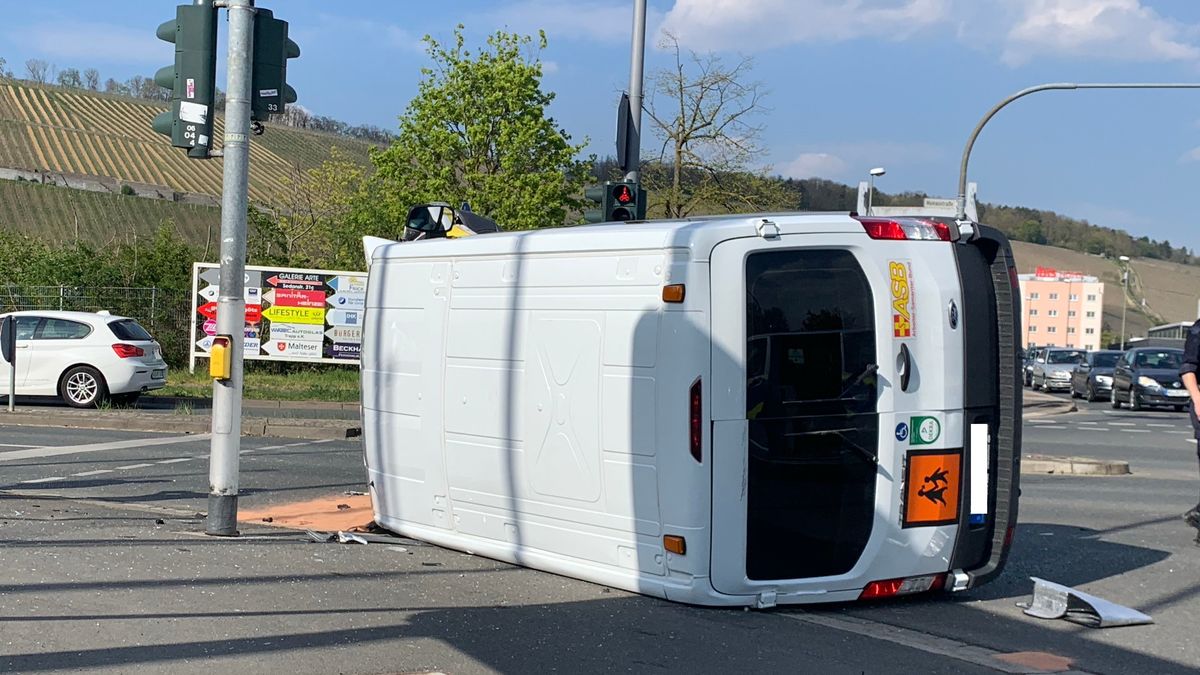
834	355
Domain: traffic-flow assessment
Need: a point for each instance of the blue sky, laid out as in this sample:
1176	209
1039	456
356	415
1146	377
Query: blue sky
853	83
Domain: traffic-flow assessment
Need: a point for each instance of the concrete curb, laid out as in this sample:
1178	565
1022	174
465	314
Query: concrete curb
1037	404
1074	466
300	429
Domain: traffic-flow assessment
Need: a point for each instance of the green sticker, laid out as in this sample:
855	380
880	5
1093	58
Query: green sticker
925	430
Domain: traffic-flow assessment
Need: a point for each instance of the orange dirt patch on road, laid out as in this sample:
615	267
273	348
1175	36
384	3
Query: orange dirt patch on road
326	514
1039	661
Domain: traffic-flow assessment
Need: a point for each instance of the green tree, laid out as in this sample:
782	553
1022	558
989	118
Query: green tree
70	77
478	132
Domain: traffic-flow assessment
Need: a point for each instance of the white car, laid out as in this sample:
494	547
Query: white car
83	358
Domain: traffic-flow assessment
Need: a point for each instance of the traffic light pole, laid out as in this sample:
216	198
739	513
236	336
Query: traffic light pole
231	305
636	68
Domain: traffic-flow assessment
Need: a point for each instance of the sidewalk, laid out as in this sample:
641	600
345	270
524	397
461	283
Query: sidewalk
307	420
1038	404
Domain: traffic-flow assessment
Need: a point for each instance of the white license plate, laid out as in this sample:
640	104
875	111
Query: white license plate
159	374
1177	392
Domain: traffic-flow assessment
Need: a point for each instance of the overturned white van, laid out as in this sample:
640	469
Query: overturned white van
741	410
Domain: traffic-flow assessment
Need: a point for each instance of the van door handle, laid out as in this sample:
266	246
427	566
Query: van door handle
22	346
904	366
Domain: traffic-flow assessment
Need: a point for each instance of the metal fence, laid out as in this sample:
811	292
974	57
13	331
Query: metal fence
166	314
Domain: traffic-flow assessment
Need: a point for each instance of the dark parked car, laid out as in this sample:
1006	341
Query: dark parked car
1092	378
1147	376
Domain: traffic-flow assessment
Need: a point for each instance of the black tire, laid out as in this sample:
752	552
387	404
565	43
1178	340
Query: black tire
82	387
1116	402
126	400
1135	401
1090	396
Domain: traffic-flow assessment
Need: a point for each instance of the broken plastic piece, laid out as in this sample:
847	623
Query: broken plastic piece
349	537
321	537
1055	601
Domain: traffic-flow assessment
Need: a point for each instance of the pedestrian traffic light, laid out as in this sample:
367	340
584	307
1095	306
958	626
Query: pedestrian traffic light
618	201
270	92
192	79
627	201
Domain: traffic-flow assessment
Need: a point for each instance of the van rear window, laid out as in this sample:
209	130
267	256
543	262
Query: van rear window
128	329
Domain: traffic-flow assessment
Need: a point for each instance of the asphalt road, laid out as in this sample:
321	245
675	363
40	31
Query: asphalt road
89	580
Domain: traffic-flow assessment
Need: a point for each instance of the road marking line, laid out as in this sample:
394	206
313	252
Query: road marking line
1161	426
930	644
1135	431
37	453
1179	432
14	445
269	447
173	461
97	472
1123	424
44	480
132	466
1089	423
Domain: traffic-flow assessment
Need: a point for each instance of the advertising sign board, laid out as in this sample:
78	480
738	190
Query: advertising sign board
310	316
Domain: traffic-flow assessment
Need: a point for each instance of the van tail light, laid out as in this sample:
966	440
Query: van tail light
695	427
909	229
128	351
889	588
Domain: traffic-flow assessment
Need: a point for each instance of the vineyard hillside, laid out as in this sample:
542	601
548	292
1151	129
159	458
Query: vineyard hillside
83	132
61	215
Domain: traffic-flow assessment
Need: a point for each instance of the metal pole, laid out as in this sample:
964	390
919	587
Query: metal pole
231	303
1124	301
870	192
636	68
966	156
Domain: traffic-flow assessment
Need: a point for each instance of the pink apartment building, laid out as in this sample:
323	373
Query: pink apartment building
1061	309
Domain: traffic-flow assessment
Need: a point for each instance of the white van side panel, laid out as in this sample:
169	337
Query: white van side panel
545	362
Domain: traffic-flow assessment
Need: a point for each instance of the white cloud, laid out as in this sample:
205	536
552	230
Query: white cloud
851	161
87	42
815	165
1017	31
550	67
753	25
1190	156
592	20
1118	30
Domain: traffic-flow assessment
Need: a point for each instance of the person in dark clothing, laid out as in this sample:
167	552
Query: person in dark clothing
1187	372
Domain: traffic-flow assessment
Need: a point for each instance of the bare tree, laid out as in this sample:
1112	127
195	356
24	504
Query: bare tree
3	63
704	112
38	70
91	78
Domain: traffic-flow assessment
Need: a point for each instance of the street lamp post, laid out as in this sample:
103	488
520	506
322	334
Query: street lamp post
966	156
1124	294
1028	320
877	171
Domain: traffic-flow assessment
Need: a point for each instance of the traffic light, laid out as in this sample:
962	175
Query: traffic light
270	92
618	201
192	79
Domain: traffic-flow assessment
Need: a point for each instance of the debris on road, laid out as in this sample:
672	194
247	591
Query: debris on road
1055	601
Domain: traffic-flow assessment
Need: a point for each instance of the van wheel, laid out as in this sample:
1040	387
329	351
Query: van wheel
1116	402
83	387
1091	394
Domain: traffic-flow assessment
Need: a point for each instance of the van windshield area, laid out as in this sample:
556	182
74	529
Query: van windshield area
1064	357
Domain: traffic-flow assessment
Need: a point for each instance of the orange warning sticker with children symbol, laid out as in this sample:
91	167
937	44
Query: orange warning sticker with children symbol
932	485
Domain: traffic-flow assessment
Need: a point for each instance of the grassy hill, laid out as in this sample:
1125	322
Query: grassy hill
59	215
1170	290
84	132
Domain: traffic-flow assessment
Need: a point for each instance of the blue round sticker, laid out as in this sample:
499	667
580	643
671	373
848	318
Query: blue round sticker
901	431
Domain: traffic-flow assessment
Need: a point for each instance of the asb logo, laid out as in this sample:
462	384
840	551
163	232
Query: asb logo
902	305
